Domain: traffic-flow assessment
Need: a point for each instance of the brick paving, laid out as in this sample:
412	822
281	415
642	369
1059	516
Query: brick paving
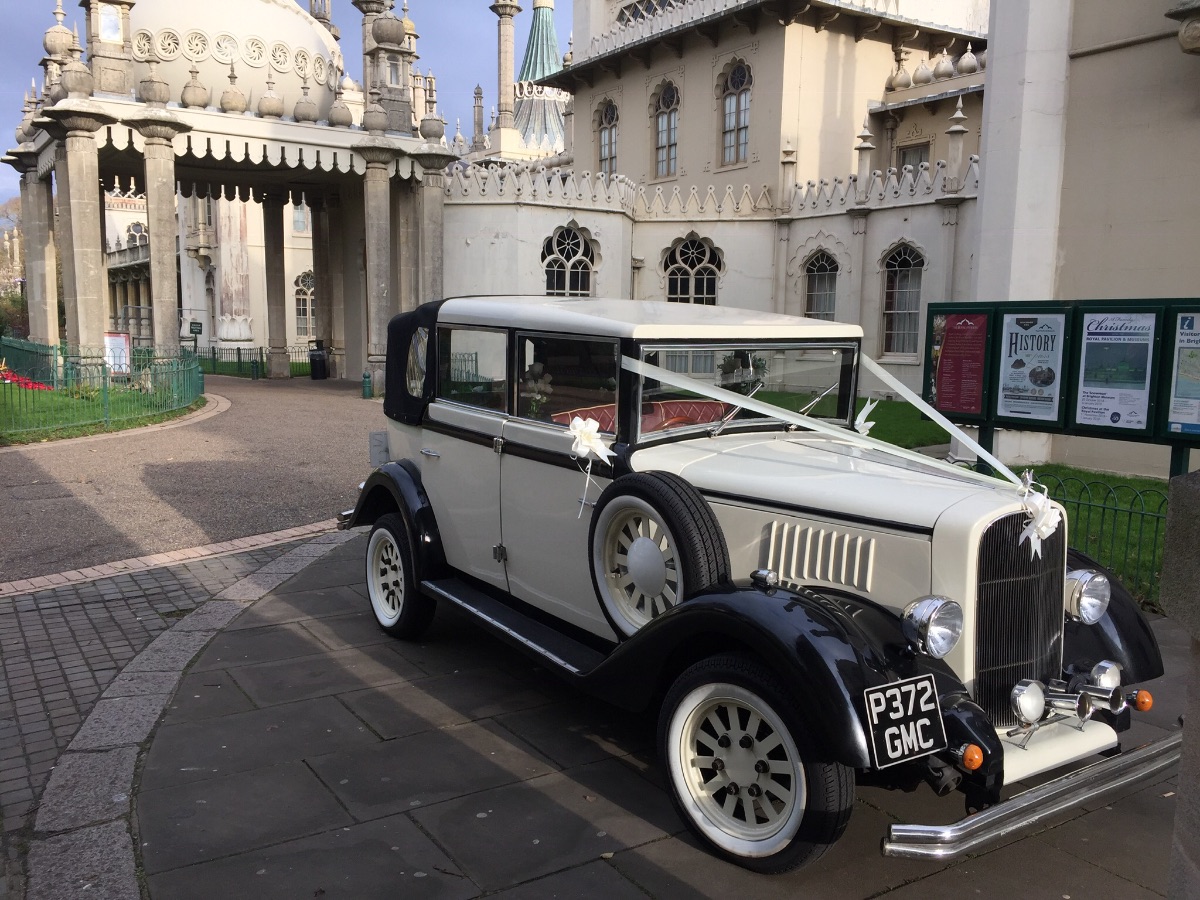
61	647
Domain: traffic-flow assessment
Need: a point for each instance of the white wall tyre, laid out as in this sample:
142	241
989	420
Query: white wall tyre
742	776
653	543
400	608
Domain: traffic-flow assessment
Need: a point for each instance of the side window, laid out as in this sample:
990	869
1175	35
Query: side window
473	367
415	370
566	377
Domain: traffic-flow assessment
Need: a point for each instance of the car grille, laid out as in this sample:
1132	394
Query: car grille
1019	629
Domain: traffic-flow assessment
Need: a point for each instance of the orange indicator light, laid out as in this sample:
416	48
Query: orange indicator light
972	757
1143	700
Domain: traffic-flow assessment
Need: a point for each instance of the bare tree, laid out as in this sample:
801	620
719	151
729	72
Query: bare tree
10	214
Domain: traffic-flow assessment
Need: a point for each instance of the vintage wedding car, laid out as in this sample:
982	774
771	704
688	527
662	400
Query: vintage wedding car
678	506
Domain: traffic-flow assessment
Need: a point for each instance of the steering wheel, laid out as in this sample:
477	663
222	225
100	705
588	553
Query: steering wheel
676	421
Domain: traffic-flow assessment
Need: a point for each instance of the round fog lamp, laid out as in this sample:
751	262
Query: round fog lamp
933	625
1088	594
1029	701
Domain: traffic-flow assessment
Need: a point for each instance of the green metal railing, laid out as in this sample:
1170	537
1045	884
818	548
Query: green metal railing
59	387
241	362
298	357
1120	527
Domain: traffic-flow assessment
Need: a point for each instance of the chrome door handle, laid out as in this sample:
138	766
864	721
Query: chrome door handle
425	451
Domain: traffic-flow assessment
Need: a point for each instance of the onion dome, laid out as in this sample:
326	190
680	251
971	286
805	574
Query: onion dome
388	31
306	110
901	79
233	100
375	119
195	95
76	78
349	84
152	90
923	74
270	104
24	131
58	39
339	114
569	56
982	57
410	27
968	64
944	68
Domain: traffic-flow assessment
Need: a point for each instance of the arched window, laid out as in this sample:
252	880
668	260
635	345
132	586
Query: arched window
136	235
693	267
666	131
608	138
820	286
569	259
306	305
902	299
735	103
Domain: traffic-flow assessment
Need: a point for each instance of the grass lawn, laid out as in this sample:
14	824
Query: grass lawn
30	417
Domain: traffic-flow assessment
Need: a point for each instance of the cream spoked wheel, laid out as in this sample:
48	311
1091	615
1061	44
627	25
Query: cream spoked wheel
740	773
736	766
654	543
641	564
400	608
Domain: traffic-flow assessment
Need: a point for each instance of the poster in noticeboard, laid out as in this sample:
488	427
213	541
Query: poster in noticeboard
1183	415
959	355
1116	363
116	352
1031	367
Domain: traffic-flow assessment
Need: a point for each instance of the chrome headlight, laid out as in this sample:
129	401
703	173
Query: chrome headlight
1106	674
933	625
1028	700
1088	593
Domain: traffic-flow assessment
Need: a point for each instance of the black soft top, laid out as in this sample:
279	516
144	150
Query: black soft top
407	332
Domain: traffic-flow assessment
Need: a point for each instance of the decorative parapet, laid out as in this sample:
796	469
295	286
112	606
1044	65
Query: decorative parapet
884	190
549	186
656	203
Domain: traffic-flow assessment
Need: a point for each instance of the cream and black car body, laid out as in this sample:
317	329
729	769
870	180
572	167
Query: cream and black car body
672	507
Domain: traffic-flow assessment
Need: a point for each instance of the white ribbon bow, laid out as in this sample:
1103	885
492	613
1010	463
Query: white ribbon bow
861	425
1043	516
587	440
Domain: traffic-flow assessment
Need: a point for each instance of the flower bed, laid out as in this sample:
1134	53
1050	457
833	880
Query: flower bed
8	376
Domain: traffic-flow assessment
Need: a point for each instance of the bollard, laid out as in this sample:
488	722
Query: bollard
254	370
200	375
368	393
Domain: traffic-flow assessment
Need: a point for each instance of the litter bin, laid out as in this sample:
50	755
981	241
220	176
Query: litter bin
318	362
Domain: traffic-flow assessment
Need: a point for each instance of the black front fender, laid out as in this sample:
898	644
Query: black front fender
396	487
826	649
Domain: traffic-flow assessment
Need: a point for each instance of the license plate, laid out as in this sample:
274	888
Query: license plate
905	719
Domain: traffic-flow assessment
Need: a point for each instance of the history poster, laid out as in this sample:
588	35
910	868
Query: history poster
116	352
1115	367
1184	415
959	363
1031	367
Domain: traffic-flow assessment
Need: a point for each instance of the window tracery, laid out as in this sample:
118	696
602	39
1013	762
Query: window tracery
569	261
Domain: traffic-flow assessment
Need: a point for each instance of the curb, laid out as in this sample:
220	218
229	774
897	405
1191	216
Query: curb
159	560
83	844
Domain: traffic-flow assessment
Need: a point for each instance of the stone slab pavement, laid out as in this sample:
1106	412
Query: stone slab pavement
303	753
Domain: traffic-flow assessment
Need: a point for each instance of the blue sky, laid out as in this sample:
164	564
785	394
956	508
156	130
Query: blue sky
457	40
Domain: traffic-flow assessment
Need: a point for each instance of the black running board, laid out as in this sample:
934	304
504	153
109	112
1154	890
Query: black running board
552	646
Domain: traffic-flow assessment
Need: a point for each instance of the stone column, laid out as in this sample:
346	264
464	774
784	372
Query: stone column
41	261
335	237
1180	575
431	228
378	220
159	128
278	364
83	254
506	9
323	314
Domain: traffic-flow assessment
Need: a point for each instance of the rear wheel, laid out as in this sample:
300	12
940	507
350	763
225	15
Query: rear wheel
743	776
400	608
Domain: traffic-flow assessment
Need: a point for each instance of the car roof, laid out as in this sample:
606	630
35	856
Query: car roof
638	319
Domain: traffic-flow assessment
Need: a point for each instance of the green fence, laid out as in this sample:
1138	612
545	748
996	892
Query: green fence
46	388
242	362
1120	527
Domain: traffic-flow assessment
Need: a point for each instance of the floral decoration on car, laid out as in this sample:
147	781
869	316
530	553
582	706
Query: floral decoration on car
537	388
1043	516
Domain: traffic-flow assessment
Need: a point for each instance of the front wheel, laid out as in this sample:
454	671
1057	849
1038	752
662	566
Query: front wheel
400	608
743	776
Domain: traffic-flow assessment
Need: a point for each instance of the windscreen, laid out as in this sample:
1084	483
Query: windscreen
816	380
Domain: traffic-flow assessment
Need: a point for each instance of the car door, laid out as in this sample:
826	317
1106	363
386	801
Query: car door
459	458
545	495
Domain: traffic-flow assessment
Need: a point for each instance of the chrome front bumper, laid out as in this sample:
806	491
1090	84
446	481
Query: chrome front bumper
1091	784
